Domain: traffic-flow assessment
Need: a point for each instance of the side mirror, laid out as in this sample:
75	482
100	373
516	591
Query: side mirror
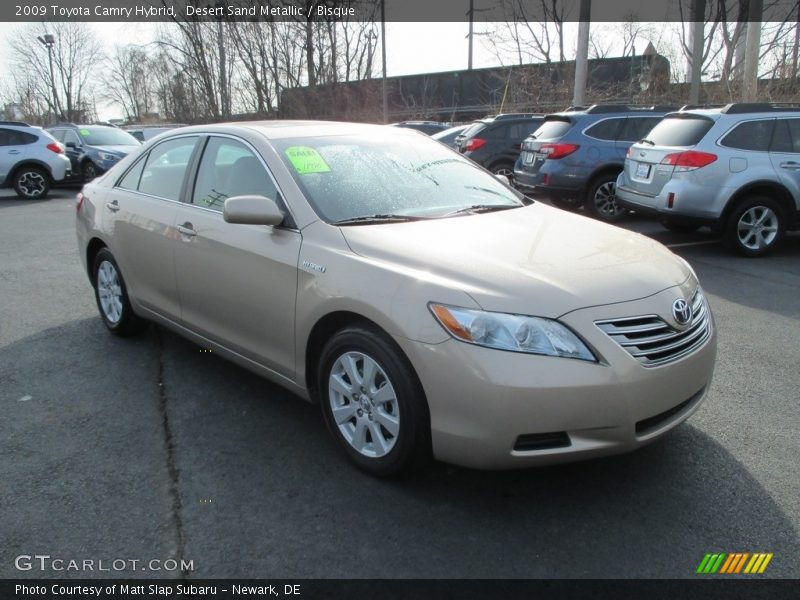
504	179
252	210
70	145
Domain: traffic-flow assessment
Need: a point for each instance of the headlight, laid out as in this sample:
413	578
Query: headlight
107	156
517	333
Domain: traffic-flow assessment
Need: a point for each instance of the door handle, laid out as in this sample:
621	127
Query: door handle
113	206
790	165
186	229
13	151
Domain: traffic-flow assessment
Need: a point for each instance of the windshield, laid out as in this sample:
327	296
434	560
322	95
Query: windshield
106	136
354	176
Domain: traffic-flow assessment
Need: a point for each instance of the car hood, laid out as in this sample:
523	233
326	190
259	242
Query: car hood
117	150
535	260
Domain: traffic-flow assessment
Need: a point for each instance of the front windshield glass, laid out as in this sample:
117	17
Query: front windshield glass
346	177
106	136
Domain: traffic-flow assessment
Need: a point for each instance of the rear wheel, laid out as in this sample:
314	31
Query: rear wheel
373	403
756	226
31	183
112	296
504	169
601	199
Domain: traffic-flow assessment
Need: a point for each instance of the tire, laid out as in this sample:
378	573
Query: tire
601	202
31	183
383	426
89	171
569	204
112	299
680	227
506	169
756	226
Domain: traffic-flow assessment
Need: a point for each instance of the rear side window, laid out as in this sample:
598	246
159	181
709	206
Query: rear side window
787	136
552	129
12	137
680	131
605	129
636	128
58	134
750	135
495	133
166	167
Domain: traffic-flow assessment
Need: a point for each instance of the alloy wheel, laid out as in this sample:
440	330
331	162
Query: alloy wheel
109	290
605	200
32	184
364	404
757	227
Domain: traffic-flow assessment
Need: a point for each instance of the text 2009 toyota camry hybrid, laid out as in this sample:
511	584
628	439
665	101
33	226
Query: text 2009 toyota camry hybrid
430	309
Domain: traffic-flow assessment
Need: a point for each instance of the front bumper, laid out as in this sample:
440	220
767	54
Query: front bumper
482	400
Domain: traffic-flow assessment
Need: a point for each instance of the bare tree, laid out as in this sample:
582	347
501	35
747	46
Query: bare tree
128	81
533	31
75	54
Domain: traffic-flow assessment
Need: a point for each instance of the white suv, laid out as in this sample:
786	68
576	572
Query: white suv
31	160
736	169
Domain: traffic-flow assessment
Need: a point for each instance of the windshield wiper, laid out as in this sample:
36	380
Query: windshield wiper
379	218
648	142
480	208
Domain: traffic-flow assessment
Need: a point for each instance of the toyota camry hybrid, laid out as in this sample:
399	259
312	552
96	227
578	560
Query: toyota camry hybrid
430	309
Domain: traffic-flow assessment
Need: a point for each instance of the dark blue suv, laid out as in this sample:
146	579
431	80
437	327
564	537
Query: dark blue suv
574	158
93	149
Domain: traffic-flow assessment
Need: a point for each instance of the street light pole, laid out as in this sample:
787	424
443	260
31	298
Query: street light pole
383	58
49	40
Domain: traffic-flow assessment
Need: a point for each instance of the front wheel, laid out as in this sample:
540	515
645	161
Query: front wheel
601	199
373	403
31	183
89	171
756	226
112	296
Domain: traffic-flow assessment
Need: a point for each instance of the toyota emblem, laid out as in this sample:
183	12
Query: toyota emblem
682	311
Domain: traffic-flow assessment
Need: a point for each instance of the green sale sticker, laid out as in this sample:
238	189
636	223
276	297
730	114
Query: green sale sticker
306	160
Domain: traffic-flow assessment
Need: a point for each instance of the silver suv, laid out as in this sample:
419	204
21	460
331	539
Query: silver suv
31	160
736	169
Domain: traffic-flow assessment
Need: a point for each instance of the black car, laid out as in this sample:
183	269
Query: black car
93	149
426	127
495	142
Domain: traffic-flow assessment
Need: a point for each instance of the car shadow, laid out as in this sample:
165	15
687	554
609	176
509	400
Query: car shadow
152	446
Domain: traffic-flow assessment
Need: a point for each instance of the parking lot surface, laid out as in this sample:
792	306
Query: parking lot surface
148	448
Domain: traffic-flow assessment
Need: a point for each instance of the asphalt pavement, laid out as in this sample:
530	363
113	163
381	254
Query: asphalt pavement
149	449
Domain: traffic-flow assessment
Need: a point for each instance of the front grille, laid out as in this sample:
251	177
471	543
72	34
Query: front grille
654	342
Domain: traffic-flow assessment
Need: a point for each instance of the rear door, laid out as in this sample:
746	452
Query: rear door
74	149
517	132
139	214
785	154
677	132
11	151
238	283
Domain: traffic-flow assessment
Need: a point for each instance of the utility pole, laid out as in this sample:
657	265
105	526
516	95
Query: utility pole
582	55
223	70
471	13
698	33
751	51
383	57
49	40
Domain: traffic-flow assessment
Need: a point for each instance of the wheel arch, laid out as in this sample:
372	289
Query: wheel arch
30	162
772	189
92	248
605	169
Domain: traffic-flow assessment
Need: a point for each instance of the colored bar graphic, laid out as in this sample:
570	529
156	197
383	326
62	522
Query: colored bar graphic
734	563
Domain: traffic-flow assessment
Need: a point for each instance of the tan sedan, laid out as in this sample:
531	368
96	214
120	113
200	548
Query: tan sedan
429	308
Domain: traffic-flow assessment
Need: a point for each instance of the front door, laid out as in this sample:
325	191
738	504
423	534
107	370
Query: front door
237	283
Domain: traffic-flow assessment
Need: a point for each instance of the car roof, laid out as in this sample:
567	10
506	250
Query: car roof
283	129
